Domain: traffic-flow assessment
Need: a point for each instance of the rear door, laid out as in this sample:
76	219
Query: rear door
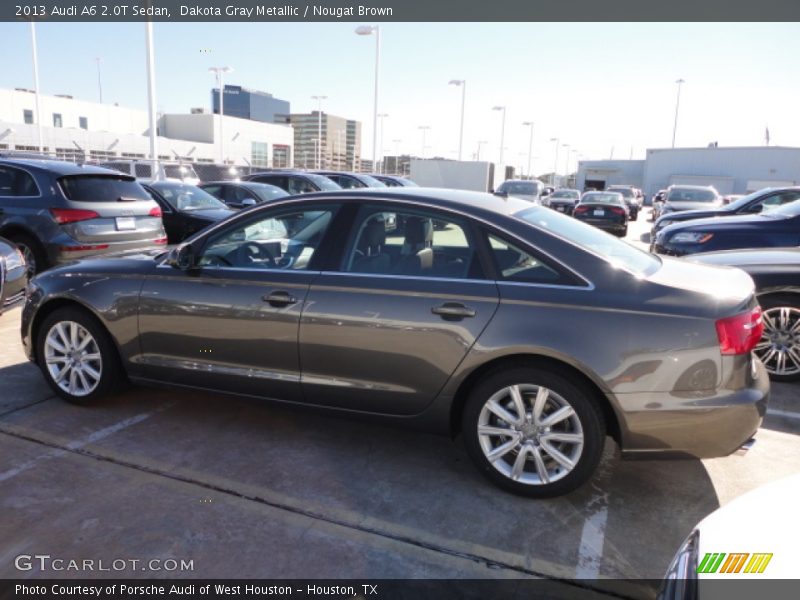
108	209
385	332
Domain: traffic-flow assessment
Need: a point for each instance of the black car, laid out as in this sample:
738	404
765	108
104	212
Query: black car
775	228
752	204
241	194
295	182
352	181
186	208
563	200
13	275
394	180
604	210
632	200
57	211
776	272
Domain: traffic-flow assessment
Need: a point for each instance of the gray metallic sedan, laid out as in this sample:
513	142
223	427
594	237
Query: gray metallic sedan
532	334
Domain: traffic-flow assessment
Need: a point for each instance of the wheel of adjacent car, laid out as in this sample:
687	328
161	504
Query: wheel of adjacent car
779	347
77	356
533	431
32	250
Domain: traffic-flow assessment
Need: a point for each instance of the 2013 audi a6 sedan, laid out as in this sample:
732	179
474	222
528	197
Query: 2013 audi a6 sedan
534	335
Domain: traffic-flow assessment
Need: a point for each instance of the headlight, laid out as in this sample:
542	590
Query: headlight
680	580
691	237
15	260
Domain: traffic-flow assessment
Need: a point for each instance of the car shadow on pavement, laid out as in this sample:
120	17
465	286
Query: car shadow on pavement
627	522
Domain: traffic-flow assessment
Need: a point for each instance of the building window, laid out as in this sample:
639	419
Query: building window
27	116
83	122
259	154
280	156
57	120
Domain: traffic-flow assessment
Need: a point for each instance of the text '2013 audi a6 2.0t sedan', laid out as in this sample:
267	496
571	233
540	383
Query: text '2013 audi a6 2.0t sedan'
532	334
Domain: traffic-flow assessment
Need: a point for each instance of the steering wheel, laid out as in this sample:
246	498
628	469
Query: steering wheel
250	252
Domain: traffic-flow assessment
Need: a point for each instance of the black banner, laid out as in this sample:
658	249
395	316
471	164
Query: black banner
400	10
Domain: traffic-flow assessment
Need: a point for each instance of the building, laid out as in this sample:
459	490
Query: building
249	104
340	141
734	170
79	130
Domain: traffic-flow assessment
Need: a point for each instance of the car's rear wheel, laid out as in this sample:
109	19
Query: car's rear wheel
35	256
533	432
77	356
779	347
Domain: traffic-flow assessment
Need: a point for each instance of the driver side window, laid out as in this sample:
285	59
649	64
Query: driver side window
285	239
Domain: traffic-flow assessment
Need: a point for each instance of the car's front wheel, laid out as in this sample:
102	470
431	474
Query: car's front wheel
779	347
533	432
77	356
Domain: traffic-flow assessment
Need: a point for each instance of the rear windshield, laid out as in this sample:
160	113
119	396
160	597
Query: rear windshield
102	188
566	194
614	250
686	195
605	198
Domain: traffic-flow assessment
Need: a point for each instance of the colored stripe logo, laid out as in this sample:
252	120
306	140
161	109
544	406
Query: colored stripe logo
736	562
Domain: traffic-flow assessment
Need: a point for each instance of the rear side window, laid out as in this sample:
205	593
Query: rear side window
14	182
102	188
514	264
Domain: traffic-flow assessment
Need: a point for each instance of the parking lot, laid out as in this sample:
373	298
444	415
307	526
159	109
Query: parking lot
250	490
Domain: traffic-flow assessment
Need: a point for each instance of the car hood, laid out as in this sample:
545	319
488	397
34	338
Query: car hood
764	521
681	206
717	224
686	215
726	287
766	257
210	214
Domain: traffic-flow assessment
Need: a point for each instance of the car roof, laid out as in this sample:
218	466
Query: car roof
60	167
691	187
437	197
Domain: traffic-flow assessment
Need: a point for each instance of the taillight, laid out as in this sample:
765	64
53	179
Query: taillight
617	210
740	334
155	212
72	215
581	209
162	240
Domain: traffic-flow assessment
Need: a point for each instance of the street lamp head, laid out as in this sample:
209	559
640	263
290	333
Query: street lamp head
381	115
680	81
220	69
527	123
365	29
554	140
498	108
424	127
456	82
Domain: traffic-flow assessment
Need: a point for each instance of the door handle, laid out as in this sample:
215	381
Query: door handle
453	311
279	299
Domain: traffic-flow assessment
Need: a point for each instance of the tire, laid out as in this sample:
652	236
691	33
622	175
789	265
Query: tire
779	347
527	438
82	385
34	253
624	232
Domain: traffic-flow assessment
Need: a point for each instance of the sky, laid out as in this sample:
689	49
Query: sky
603	89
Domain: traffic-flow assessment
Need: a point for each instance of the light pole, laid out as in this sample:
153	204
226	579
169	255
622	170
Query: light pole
530	145
369	30
424	129
99	82
381	116
397	156
318	156
566	166
151	95
555	164
36	85
680	82
219	72
462	83
478	155
502	130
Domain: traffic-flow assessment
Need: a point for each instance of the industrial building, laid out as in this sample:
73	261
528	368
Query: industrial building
76	129
734	170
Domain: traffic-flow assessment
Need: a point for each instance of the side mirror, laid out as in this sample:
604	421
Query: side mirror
249	202
545	192
501	194
181	257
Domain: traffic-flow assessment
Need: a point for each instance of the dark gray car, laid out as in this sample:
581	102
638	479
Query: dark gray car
58	211
533	334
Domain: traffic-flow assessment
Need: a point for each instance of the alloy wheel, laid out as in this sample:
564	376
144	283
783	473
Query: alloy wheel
530	434
73	358
779	347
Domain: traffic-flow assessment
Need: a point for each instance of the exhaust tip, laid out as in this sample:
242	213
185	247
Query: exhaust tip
742	450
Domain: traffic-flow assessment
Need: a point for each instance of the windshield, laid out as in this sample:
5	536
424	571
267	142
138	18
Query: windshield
187	197
690	195
790	209
371	181
604	198
572	194
322	182
524	188
590	238
266	192
102	188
